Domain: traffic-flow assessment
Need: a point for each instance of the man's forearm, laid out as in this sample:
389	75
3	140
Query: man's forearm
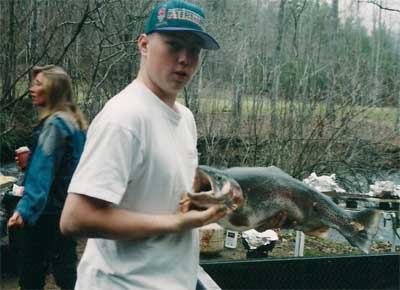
88	217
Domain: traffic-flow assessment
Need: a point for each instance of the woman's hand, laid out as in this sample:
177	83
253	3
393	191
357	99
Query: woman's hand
15	221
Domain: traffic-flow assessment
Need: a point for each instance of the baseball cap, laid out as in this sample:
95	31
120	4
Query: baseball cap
180	16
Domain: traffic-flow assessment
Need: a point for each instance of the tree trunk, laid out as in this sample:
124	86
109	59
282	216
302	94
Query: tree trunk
378	47
330	101
277	68
397	125
33	34
9	68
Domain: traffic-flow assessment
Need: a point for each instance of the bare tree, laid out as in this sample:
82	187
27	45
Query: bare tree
277	66
378	3
291	86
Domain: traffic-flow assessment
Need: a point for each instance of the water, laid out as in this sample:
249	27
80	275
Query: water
9	169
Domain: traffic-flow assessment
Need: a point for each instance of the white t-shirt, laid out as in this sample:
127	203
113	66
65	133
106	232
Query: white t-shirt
139	155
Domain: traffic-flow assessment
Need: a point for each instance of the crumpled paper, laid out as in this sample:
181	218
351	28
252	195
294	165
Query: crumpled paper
384	188
323	183
255	239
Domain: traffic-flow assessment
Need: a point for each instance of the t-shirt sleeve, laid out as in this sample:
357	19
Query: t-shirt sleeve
111	155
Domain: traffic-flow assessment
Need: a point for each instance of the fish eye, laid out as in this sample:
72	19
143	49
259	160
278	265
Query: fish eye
218	178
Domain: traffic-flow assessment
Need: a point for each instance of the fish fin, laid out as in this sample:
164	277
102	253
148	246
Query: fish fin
365	223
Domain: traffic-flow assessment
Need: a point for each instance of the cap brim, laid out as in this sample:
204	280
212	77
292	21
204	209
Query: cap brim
208	42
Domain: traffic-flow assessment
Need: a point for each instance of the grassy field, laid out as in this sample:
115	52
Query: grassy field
223	102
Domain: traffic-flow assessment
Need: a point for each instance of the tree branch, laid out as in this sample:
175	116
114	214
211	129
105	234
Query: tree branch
78	30
379	5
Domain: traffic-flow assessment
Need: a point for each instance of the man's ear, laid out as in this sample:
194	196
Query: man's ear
143	41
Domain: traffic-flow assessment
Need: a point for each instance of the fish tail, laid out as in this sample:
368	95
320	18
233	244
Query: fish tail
365	223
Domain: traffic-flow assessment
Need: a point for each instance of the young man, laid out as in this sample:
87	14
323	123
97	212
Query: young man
139	160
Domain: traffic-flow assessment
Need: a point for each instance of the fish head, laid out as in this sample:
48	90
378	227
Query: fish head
212	186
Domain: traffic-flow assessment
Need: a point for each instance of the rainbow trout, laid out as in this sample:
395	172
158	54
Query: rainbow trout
256	196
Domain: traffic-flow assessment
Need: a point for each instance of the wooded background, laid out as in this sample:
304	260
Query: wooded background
294	84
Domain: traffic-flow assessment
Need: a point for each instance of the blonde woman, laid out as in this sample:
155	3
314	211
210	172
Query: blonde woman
58	141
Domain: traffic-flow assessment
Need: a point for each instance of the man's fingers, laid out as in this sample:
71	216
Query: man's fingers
212	210
184	206
216	217
197	218
215	213
184	200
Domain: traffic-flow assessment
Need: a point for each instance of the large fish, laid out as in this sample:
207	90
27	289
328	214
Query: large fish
256	197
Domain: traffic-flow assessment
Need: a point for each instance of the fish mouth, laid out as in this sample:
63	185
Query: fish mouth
203	182
211	187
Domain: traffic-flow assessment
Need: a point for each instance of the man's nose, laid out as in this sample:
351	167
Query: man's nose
185	57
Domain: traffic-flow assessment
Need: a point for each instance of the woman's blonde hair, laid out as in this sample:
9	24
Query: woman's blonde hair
58	88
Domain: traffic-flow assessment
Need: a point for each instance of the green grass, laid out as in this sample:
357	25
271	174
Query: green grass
386	115
223	104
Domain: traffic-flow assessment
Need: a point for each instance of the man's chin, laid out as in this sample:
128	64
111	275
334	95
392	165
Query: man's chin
178	87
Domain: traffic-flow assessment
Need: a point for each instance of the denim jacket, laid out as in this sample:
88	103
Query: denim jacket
57	146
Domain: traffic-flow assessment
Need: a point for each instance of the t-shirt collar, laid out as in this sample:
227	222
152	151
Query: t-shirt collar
167	111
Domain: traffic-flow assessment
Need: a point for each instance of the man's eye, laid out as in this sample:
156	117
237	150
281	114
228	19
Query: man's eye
174	46
195	51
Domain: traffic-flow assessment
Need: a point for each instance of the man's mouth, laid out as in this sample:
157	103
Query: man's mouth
181	75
